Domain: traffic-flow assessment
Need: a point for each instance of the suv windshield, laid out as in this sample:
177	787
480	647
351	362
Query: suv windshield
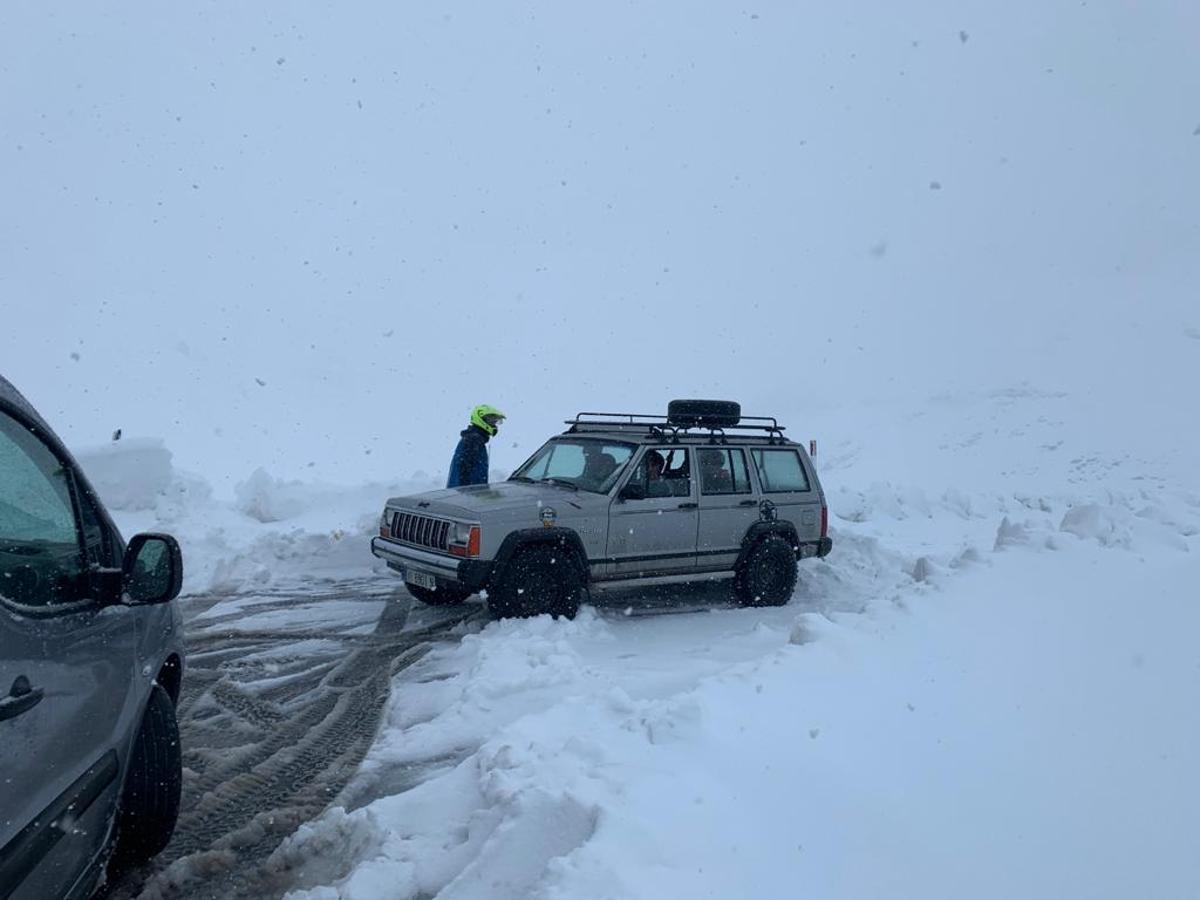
586	464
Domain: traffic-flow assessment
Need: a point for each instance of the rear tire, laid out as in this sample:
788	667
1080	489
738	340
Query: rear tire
537	580
767	577
443	596
150	797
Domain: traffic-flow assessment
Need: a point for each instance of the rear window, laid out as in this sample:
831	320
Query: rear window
780	471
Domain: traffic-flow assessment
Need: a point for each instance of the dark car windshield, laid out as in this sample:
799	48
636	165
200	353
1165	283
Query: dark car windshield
588	464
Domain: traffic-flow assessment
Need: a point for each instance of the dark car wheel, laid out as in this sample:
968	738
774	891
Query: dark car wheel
537	580
767	576
443	596
150	799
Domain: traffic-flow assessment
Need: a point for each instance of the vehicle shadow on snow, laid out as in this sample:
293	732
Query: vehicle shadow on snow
812	593
663	600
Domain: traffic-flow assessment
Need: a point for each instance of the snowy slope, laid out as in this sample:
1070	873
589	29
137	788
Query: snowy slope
985	691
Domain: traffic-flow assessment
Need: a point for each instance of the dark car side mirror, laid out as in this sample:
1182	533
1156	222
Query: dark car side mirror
634	490
152	571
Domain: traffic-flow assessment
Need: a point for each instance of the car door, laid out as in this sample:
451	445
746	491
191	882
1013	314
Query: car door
66	672
655	534
728	505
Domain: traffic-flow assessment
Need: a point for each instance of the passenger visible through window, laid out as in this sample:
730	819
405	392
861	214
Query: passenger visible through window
723	471
664	472
780	471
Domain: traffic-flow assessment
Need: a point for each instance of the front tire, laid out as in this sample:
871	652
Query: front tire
443	596
767	577
150	797
537	580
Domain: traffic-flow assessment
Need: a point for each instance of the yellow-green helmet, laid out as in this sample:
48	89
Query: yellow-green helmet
487	418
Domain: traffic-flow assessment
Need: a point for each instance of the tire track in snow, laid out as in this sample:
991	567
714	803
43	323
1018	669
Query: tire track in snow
274	722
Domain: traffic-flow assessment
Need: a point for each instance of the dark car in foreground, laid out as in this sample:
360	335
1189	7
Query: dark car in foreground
91	662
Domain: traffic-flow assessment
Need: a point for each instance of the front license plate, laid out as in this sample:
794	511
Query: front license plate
420	579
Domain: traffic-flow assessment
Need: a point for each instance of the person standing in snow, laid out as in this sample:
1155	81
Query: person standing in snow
470	462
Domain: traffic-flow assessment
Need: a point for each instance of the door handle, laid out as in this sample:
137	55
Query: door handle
21	698
688	505
748	503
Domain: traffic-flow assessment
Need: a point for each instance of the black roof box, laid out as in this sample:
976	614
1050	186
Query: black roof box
704	413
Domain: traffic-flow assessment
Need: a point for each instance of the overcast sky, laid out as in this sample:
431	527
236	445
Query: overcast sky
320	234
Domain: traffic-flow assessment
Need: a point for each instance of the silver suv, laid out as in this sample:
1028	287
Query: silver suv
91	659
702	492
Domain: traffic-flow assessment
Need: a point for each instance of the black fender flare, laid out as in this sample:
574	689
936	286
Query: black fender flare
760	530
563	538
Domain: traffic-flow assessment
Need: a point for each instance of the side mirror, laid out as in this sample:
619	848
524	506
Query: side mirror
152	571
634	490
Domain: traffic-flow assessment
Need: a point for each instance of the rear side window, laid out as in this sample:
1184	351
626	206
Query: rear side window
723	471
780	471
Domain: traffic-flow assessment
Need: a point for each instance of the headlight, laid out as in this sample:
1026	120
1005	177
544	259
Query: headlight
465	540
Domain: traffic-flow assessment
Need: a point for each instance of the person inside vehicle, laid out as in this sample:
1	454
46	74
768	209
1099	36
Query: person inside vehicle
469	465
598	469
714	476
656	485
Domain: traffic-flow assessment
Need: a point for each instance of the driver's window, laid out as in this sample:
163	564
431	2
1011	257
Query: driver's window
664	472
41	561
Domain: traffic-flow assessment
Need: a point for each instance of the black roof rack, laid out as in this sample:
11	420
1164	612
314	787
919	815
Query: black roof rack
661	426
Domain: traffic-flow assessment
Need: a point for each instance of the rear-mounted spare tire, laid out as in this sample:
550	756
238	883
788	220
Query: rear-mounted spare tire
704	413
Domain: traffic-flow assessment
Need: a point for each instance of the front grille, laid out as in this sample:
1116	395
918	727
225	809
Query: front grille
422	531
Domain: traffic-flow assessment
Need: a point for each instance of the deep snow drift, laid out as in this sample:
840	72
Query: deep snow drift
272	532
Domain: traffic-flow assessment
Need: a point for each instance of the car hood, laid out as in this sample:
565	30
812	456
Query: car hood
480	499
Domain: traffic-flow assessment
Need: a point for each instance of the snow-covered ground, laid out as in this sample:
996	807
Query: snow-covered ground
988	690
273	532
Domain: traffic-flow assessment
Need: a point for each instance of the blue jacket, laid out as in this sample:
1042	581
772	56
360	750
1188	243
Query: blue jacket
470	462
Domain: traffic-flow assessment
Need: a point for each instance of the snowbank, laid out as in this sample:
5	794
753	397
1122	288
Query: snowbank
134	474
273	531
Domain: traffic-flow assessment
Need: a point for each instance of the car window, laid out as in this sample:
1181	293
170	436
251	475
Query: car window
587	464
723	471
664	472
40	556
780	471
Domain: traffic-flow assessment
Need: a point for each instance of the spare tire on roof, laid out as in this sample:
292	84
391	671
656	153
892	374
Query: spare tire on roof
704	413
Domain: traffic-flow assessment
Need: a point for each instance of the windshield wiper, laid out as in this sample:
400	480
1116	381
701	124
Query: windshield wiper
561	481
524	478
